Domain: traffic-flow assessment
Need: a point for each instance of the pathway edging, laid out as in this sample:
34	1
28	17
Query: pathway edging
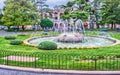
38	70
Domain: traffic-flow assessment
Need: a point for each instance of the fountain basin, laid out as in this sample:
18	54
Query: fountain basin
92	42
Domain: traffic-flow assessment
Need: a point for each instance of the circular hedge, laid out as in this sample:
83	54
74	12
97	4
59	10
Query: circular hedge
47	45
10	37
16	42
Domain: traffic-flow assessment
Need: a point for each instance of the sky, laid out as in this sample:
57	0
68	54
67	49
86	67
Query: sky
51	3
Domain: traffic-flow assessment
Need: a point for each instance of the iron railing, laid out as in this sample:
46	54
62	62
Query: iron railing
60	61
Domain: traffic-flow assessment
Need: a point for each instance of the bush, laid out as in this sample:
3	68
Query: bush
16	42
45	33
21	34
47	45
10	30
10	37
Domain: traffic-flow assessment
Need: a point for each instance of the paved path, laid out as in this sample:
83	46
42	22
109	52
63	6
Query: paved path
15	72
3	33
11	70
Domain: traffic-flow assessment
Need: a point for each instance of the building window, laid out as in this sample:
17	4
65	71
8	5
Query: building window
56	18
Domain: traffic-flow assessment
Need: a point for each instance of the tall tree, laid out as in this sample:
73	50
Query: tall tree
81	13
110	12
1	15
18	12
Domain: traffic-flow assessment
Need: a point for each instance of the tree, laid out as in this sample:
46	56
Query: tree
81	13
1	15
46	23
110	12
83	5
41	4
18	12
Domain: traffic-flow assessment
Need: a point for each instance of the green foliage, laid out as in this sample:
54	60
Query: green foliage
46	23
44	33
0	19
70	4
67	16
10	37
21	34
47	45
76	15
16	42
10	30
110	11
81	13
18	12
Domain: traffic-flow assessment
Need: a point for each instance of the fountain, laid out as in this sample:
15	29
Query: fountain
73	36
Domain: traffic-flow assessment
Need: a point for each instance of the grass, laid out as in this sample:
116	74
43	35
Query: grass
4	45
60	59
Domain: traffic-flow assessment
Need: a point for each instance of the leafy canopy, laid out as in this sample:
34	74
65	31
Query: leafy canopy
46	23
18	12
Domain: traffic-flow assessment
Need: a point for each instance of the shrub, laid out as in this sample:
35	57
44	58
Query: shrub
16	42
10	30
10	37
47	45
117	56
44	33
83	57
21	34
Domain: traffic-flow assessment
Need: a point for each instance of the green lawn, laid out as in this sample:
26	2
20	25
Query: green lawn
62	59
4	45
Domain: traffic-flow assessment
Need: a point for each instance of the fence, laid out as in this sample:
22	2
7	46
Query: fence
61	61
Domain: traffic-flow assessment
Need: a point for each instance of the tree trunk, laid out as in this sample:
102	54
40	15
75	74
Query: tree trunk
8	27
98	26
17	28
112	25
23	27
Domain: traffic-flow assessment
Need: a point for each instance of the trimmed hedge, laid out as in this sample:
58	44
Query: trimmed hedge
21	34
16	42
47	45
10	37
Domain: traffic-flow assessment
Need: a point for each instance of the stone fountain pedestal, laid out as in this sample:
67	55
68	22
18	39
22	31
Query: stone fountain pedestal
70	37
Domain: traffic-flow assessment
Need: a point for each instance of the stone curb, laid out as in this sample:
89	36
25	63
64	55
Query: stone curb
110	38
